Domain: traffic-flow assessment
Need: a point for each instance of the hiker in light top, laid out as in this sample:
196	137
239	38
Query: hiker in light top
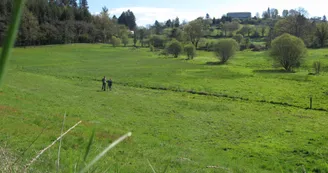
109	84
103	83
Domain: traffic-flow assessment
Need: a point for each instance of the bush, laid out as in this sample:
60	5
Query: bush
125	40
190	50
225	49
288	51
238	38
174	48
151	47
115	41
317	67
157	41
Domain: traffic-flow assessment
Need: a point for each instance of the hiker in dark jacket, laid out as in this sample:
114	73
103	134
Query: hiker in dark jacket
109	84
103	83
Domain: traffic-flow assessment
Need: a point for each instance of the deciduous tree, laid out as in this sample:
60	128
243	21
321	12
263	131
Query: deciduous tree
288	51
322	33
224	49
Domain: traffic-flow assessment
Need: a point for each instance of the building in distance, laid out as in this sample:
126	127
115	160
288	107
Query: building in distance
239	15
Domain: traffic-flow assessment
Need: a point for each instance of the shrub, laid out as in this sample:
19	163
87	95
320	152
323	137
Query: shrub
225	49
174	48
317	67
157	41
125	40
238	38
115	41
190	50
151	47
288	51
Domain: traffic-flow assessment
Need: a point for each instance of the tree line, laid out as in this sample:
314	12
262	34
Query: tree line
313	31
64	21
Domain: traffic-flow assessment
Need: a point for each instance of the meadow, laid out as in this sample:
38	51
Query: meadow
253	118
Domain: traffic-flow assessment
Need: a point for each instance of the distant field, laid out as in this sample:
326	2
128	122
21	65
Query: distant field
245	129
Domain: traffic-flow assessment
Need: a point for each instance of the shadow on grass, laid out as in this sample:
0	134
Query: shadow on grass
214	63
273	71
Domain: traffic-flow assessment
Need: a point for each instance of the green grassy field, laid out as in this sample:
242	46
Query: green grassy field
186	132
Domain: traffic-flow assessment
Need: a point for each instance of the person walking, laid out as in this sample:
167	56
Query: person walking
103	83
109	84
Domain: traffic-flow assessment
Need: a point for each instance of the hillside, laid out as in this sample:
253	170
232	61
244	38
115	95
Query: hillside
254	118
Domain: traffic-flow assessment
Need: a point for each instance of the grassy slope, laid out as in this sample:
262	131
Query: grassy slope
248	76
187	131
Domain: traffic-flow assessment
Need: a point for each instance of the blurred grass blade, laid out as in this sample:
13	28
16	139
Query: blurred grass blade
151	166
89	146
105	151
11	36
60	142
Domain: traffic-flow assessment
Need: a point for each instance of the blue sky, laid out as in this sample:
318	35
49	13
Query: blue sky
147	11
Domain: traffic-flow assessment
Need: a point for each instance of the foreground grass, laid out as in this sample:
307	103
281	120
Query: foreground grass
187	132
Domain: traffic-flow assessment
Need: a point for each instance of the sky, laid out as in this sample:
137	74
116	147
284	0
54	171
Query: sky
147	11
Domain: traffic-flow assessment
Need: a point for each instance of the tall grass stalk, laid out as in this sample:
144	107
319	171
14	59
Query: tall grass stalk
151	166
42	151
105	151
60	142
11	36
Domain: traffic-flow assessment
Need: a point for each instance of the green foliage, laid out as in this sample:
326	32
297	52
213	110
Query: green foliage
125	40
288	51
115	41
317	67
128	19
190	50
174	48
322	33
297	25
177	34
151	48
142	35
246	41
238	38
29	28
210	45
195	31
157	41
57	22
230	27
224	49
